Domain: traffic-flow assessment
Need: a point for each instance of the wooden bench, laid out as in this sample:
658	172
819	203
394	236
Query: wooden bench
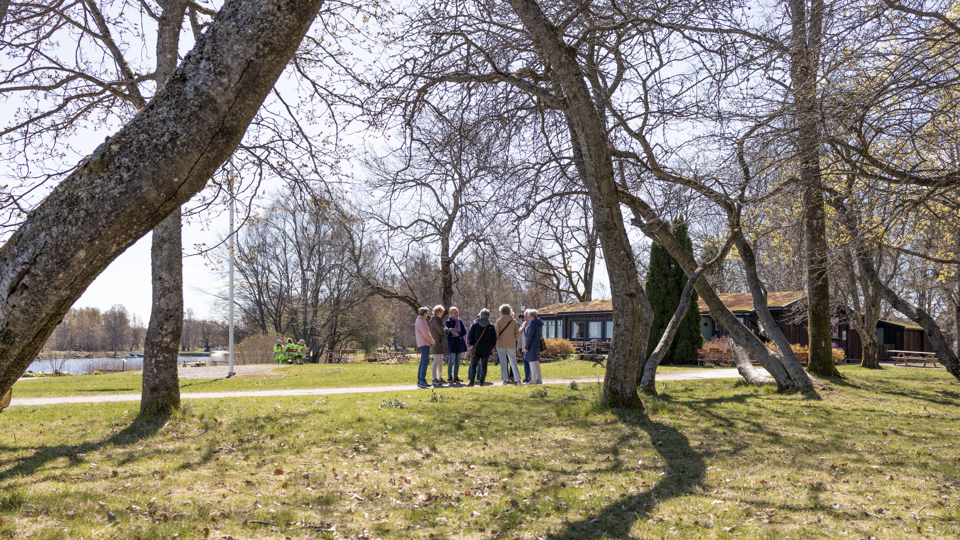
914	356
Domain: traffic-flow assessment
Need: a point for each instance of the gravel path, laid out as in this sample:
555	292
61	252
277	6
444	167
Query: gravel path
690	375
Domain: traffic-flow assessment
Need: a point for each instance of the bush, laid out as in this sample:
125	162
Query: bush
97	373
839	355
562	346
256	349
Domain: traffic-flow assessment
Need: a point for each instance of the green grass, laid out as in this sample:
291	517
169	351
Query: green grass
876	455
307	376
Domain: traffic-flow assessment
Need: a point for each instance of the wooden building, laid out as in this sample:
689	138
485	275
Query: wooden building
582	321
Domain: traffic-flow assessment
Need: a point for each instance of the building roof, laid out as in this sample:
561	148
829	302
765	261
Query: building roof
741	302
904	325
737	302
577	307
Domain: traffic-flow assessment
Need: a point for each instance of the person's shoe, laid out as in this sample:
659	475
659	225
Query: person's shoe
441	381
423	384
457	381
470	383
526	381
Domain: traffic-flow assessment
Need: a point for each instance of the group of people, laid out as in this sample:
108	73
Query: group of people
452	338
291	353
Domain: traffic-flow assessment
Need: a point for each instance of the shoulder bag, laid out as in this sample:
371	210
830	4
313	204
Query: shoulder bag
472	351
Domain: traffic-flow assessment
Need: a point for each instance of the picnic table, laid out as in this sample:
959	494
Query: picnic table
386	355
916	356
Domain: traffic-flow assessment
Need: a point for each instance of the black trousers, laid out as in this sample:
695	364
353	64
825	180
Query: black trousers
478	368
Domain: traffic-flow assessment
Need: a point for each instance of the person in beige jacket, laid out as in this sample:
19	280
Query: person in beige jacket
508	330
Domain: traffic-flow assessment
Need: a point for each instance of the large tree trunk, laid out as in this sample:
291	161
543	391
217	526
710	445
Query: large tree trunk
620	380
135	179
870	357
804	67
160	385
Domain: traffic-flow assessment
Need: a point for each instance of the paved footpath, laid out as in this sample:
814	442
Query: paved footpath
686	375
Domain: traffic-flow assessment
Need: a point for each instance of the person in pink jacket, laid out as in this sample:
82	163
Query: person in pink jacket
424	342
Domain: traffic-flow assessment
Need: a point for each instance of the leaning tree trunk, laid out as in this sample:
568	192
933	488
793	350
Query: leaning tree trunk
745	367
654	227
142	174
945	355
160	387
620	379
648	379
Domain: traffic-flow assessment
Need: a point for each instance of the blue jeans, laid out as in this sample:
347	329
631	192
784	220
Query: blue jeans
478	368
526	367
453	365
424	364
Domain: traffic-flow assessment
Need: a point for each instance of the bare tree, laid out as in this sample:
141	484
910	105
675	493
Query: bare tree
116	327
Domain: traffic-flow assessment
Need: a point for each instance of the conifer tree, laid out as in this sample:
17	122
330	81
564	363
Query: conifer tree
665	281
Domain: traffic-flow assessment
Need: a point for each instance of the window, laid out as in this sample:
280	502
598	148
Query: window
595	330
609	334
551	329
576	330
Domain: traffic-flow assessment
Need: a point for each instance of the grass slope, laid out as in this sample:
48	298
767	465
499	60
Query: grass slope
875	456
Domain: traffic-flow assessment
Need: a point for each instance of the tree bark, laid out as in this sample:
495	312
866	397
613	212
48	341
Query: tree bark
745	367
136	178
648	379
160	387
620	379
805	46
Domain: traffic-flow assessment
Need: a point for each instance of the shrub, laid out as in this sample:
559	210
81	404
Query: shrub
716	343
839	355
98	372
256	349
562	346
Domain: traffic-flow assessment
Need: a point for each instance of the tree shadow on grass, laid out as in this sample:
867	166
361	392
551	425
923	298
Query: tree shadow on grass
141	428
685	471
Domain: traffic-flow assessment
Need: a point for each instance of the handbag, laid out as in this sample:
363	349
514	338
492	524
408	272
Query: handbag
472	351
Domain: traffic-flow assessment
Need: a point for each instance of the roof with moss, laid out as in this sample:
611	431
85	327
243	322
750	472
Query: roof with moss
736	302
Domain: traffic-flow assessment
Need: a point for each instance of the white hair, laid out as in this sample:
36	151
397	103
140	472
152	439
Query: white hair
531	312
424	310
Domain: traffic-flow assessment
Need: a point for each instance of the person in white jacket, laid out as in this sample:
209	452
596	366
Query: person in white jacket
424	342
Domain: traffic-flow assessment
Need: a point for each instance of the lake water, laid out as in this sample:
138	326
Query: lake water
79	366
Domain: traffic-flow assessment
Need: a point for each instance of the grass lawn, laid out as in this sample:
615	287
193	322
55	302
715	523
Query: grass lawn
876	455
307	376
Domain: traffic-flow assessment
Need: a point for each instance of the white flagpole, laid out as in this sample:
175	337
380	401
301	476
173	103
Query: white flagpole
231	373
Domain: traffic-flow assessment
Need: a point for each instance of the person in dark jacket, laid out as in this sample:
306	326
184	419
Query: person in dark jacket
484	336
532	342
456	344
439	349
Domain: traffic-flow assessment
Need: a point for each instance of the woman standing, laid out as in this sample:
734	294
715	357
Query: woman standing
439	333
507	333
424	342
484	337
522	347
456	345
532	341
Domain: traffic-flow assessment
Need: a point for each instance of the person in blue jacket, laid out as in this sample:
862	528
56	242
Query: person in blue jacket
531	342
456	344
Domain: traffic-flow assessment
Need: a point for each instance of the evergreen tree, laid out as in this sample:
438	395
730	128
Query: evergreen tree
665	281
